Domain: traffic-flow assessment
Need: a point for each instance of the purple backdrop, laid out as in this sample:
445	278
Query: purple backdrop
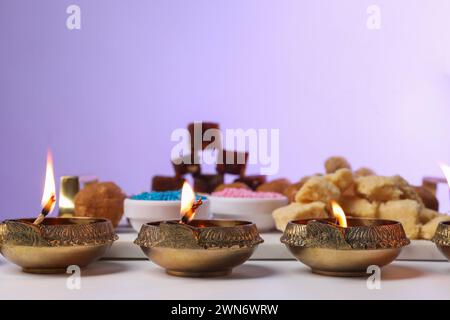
106	98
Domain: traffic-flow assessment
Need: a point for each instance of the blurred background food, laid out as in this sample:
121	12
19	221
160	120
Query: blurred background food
363	194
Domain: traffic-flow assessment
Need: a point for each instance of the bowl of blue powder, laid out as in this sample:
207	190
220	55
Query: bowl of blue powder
159	206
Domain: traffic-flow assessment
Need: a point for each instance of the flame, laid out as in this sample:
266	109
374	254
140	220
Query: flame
339	214
187	201
446	169
49	185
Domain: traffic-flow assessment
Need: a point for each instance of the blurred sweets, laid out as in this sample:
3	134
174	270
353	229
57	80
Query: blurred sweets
206	183
430	184
232	162
161	196
69	187
247	205
277	185
362	194
245	193
333	164
429	199
165	183
200	129
100	200
234	185
228	162
159	206
252	181
188	164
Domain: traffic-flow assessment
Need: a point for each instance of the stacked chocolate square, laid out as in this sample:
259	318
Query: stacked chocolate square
228	162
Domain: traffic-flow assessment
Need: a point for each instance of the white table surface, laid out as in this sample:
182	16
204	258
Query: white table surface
270	249
140	279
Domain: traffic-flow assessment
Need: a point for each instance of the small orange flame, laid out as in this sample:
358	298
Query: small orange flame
339	214
446	169
187	202
49	185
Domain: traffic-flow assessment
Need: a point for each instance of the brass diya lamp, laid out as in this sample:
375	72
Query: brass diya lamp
344	247
56	243
50	245
441	238
198	248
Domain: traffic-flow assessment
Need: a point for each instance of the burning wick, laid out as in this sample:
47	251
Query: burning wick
49	195
45	210
339	214
190	214
188	203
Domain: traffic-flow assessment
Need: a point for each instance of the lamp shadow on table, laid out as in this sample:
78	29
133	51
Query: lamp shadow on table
95	269
388	273
248	272
103	268
393	272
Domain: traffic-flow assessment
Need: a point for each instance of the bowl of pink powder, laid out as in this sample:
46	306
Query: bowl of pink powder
243	204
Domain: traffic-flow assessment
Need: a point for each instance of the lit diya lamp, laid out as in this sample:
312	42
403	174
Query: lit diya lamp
50	245
198	248
344	247
442	235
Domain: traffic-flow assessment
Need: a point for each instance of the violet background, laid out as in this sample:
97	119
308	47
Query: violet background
106	98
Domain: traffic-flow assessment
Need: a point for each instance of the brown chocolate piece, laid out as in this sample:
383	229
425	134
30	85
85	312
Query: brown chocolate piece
206	183
429	199
431	183
186	164
232	162
165	183
252	181
205	126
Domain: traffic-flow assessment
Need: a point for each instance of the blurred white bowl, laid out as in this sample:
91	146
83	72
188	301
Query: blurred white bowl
140	212
256	210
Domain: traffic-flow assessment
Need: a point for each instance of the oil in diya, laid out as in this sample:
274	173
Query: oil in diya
198	248
344	247
50	245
